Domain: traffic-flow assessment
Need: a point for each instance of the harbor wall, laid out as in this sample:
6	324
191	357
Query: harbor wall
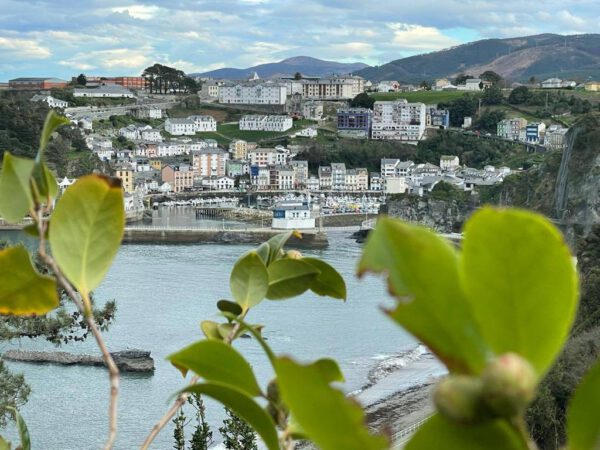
316	240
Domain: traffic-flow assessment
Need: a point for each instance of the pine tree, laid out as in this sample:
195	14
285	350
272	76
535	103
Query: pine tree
202	436
179	432
237	434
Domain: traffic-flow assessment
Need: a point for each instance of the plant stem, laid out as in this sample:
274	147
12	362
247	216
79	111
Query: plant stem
182	398
82	305
520	427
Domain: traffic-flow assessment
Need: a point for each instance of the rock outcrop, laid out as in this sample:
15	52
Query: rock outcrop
126	361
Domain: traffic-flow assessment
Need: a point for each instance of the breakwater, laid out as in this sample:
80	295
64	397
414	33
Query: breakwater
126	360
157	235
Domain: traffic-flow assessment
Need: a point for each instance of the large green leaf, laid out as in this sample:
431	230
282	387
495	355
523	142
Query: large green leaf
289	278
329	282
210	329
23	290
243	406
45	184
86	230
583	418
4	445
521	282
52	122
440	433
423	274
15	188
249	280
276	244
330	419
216	361
23	431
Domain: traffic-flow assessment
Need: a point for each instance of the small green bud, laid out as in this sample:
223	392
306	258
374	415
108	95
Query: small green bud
294	254
458	398
509	384
276	409
273	391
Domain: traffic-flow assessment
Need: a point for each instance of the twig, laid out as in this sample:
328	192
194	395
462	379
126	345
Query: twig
181	398
85	308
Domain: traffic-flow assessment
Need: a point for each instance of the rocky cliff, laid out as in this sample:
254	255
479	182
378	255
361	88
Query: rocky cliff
445	216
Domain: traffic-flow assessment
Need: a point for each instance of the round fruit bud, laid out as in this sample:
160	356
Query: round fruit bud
294	254
509	383
458	398
273	391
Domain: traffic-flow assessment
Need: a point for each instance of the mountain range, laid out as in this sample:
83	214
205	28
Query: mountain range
306	65
517	59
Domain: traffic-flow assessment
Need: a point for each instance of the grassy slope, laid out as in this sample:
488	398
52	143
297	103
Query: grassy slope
428	97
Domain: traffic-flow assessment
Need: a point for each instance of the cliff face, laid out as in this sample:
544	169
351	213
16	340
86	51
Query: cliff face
445	216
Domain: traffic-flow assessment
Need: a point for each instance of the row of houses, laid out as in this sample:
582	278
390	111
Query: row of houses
392	120
265	123
275	92
191	125
518	129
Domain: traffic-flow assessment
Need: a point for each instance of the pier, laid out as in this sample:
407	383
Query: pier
181	235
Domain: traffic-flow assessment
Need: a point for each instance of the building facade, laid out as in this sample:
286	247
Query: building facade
399	120
210	162
179	177
253	94
355	121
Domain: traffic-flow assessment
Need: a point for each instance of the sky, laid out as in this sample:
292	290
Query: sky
62	38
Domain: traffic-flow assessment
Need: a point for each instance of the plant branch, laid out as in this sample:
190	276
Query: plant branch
83	306
182	398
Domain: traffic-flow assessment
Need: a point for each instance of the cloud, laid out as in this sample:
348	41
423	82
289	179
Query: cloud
417	37
22	49
141	12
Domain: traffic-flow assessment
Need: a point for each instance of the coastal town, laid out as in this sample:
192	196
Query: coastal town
249	225
157	153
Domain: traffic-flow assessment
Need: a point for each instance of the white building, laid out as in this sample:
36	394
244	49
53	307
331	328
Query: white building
107	90
399	120
338	176
262	157
266	123
333	88
449	163
253	93
204	123
147	112
292	215
555	137
151	135
310	132
312	184
180	127
312	110
130	132
375	181
224	183
395	185
51	101
388	86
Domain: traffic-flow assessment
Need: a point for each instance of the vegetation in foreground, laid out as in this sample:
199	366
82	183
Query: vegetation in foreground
474	315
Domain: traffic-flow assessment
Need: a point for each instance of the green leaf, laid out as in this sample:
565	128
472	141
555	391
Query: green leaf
583	420
230	307
289	278
276	244
423	275
249	280
329	282
15	189
4	445
243	406
522	284
22	428
263	251
53	121
86	230
23	291
210	329
216	361
330	419
45	183
440	433
330	370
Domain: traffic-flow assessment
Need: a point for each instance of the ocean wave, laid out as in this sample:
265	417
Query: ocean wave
391	363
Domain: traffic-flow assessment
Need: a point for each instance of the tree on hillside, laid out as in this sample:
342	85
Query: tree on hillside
81	80
465	106
491	76
532	80
462	78
362	100
492	96
163	80
297	76
519	95
425	85
488	121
